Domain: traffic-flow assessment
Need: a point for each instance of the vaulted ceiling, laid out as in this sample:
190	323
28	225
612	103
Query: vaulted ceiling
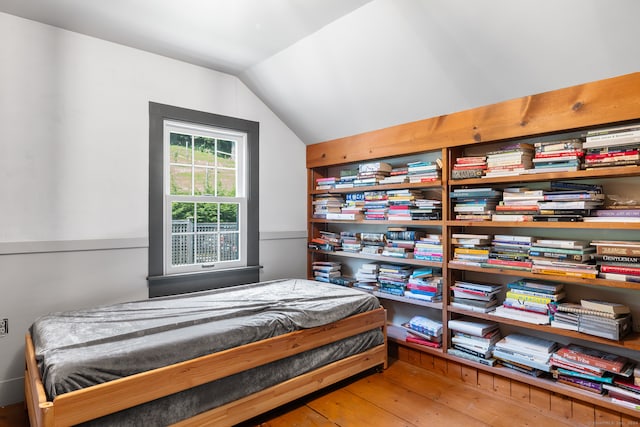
333	68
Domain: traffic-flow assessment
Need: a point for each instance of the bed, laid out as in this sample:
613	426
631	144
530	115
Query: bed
208	358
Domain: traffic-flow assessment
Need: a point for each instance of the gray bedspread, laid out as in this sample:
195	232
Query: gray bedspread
85	347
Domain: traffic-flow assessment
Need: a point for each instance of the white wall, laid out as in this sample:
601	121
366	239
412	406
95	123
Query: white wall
74	173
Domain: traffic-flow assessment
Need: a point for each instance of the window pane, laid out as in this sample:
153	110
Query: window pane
207	217
204	181
226	154
229	248
182	228
180	180
207	248
184	212
180	148
229	216
226	183
182	249
204	151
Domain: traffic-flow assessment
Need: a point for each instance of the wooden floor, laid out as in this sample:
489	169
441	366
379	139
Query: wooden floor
402	395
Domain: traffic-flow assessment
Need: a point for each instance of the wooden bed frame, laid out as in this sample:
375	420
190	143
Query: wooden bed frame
103	399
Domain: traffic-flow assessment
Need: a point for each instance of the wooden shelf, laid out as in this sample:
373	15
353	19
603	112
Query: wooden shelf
549	277
613	172
383	187
389	259
415	223
543	224
413	301
630	342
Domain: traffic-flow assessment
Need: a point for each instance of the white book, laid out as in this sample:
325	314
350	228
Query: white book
472	327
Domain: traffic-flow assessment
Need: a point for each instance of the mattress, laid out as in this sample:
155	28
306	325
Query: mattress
77	349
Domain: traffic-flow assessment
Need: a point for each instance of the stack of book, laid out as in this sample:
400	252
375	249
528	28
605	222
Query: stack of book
509	252
392	278
477	242
474	204
350	241
424	284
600	318
429	248
618	259
400	242
474	339
558	156
325	183
351	208
326	203
424	331
618	146
326	241
372	243
568	205
469	167
376	205
528	301
624	392
323	271
424	171
518	204
396	176
478	297
587	368
563	258
526	354
347	178
512	159
367	277
371	173
401	203
426	209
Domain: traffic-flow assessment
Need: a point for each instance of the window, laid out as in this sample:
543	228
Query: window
205	205
203	200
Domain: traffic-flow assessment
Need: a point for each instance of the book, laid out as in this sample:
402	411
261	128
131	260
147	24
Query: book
464	355
597	358
605	306
572	307
472	326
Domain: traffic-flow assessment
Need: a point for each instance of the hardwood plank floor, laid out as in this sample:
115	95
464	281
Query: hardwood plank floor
402	395
406	395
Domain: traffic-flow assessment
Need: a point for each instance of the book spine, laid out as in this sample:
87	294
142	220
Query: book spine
618	258
617	250
631	271
589	360
529	298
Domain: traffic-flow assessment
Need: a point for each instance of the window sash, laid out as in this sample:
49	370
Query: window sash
240	199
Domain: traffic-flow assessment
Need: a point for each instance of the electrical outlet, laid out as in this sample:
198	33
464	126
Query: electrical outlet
4	327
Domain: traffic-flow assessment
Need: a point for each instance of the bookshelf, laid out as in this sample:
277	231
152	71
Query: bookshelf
551	115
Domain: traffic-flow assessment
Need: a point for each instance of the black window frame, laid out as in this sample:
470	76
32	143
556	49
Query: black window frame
159	283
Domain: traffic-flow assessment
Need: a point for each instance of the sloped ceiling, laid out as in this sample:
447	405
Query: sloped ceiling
333	68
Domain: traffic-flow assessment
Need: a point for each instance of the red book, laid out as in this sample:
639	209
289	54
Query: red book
417	340
517	208
525	264
592	357
610	155
630	271
553	154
